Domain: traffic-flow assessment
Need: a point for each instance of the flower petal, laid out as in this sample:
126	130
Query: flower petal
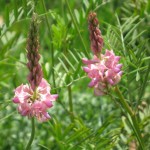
16	100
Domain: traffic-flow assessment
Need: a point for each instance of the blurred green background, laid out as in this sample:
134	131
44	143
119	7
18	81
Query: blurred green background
99	123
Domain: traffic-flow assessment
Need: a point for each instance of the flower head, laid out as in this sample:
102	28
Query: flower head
104	72
34	103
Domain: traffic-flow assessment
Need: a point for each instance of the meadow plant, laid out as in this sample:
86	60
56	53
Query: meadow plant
35	99
103	69
115	66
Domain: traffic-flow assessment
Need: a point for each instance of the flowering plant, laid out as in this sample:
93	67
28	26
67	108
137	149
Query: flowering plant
35	99
103	69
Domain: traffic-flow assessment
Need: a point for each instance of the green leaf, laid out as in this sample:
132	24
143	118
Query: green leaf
137	76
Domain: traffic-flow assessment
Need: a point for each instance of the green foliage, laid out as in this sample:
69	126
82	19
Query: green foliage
98	123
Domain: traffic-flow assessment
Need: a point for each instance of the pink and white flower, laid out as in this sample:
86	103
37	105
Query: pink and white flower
104	72
34	103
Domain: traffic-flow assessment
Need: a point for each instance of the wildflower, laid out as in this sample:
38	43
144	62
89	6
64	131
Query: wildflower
103	69
104	72
35	99
34	103
95	34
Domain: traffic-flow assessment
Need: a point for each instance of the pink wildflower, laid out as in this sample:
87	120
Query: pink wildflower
104	72
34	103
35	99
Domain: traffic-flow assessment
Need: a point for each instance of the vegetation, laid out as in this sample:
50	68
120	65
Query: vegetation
79	120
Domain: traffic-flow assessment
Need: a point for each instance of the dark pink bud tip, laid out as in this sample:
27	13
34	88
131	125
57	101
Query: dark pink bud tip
16	100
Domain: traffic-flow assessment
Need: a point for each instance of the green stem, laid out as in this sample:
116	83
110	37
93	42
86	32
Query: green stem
70	102
52	49
76	27
133	117
32	135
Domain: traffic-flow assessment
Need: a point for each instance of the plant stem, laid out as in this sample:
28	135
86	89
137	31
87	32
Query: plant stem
52	49
70	102
133	117
32	135
76	26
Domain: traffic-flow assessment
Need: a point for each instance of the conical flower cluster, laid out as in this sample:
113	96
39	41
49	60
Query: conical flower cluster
95	34
104	70
35	99
35	75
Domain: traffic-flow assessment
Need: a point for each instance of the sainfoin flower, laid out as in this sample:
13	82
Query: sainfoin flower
104	71
34	99
34	103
